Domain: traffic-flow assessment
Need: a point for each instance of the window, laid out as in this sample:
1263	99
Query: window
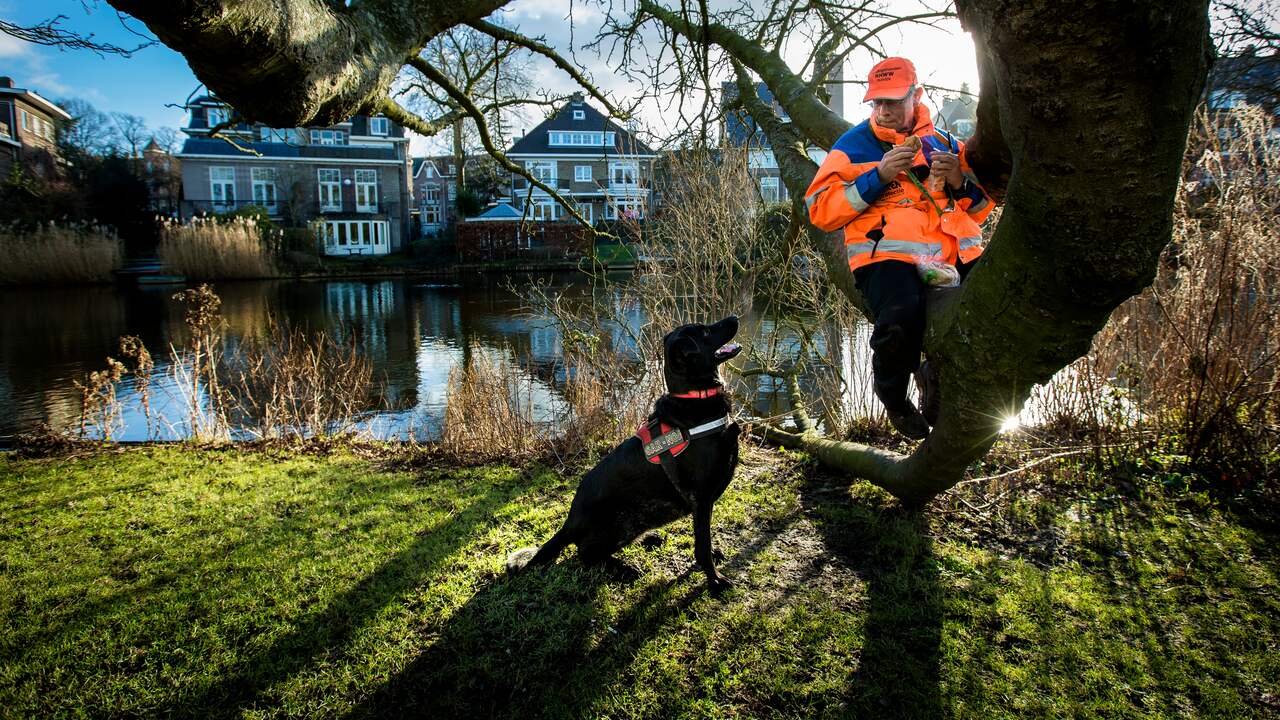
216	115
328	137
453	192
379	126
624	173
769	189
545	210
366	190
579	115
581	139
627	208
330	183
26	120
264	187
582	173
356	237
288	135
544	170
222	181
453	169
430	214
431	194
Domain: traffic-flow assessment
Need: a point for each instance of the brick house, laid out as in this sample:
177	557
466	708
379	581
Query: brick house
28	131
350	181
587	157
434	181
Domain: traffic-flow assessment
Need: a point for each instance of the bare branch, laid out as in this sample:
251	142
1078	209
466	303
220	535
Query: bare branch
49	34
500	33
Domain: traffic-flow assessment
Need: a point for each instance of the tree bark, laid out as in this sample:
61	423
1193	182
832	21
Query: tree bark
296	63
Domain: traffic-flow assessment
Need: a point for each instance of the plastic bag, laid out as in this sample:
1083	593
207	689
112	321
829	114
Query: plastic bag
936	273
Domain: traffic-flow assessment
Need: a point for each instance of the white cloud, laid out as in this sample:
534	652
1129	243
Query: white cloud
12	47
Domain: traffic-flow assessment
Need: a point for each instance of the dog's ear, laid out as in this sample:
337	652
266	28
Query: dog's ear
682	349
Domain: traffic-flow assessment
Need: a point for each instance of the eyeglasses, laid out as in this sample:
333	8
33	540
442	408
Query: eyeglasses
881	102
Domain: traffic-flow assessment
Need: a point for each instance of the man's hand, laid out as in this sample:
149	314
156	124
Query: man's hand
948	166
895	160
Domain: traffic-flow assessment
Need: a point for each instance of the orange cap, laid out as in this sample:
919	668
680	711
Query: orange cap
891	79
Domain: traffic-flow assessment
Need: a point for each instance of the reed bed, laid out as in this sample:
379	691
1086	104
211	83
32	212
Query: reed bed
59	254
222	249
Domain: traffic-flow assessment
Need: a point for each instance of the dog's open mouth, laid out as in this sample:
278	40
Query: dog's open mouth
728	351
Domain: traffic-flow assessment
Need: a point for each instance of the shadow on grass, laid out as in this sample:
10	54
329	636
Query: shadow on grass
544	643
328	630
890	550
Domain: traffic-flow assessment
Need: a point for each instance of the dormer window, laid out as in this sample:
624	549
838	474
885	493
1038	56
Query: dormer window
379	126
216	115
581	139
328	137
579	114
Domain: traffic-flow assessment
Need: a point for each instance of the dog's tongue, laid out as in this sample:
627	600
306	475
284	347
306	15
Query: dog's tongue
728	348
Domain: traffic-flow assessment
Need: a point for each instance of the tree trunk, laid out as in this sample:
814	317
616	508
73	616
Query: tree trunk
1085	113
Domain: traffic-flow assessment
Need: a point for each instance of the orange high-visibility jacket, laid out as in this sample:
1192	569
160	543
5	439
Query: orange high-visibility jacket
895	220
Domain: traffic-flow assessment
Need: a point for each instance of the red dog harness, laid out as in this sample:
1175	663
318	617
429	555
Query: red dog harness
660	438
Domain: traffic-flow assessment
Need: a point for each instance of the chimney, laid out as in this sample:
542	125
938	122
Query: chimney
6	81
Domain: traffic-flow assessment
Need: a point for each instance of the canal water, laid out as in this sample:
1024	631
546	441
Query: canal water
413	332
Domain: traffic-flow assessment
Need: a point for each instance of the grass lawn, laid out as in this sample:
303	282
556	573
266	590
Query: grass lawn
236	583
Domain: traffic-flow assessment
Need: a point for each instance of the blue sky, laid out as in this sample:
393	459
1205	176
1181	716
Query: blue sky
139	85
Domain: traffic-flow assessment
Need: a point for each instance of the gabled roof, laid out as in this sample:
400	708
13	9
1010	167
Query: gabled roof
538	140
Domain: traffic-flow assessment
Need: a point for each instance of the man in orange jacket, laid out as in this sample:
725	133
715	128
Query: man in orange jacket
876	185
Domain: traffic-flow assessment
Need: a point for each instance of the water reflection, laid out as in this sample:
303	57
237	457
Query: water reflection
415	334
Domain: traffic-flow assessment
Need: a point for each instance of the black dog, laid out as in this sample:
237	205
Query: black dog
678	463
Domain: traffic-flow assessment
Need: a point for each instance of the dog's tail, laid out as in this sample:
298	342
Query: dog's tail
517	560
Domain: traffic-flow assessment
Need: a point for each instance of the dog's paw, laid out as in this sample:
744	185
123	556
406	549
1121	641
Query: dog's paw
718	585
517	560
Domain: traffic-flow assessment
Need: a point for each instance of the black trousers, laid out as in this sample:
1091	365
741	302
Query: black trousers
896	295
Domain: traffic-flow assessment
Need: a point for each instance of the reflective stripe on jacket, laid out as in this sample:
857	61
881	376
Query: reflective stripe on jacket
895	220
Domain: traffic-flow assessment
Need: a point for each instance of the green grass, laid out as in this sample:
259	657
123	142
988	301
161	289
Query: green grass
179	582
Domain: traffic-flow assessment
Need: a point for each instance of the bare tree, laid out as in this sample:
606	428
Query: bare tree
1082	122
90	131
493	72
132	133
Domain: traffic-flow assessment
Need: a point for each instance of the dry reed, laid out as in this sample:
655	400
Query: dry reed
489	413
291	385
54	254
207	249
1192	361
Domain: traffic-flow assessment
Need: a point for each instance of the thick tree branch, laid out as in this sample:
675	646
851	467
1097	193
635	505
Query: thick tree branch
298	63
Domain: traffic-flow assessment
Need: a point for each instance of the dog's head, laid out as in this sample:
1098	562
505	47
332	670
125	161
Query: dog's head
692	354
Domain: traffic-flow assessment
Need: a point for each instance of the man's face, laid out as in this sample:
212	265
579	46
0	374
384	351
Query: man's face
897	114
